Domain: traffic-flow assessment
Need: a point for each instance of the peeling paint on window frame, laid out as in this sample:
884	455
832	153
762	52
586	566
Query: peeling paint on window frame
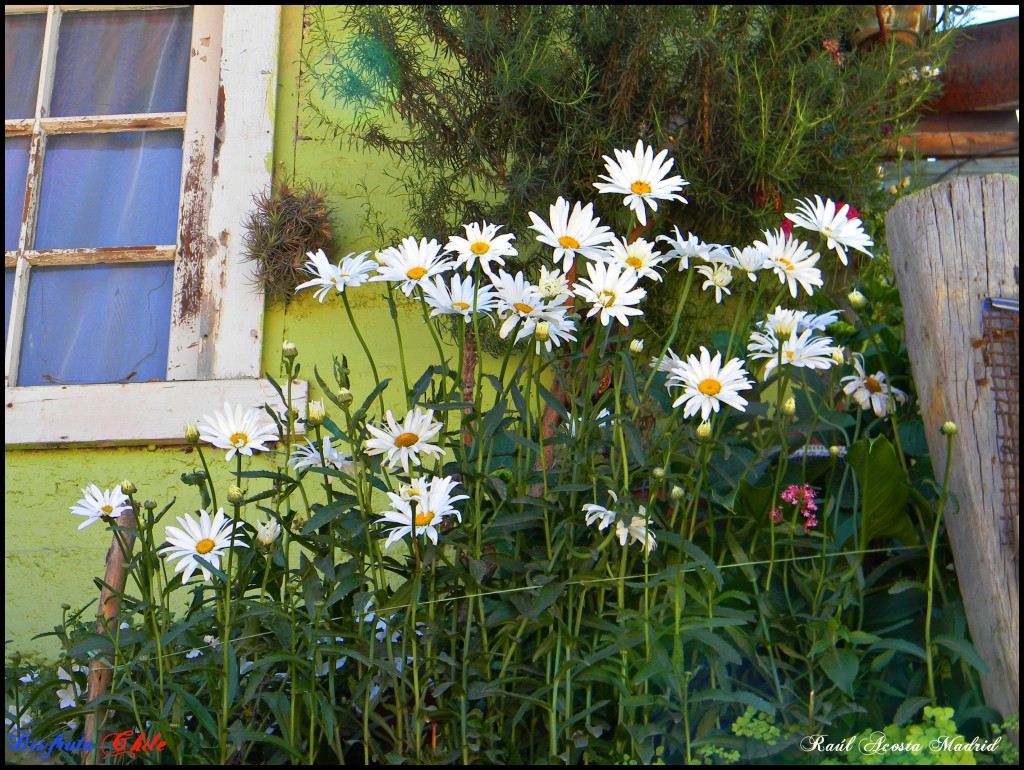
216	318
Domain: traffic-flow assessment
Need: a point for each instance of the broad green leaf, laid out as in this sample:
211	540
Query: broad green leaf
964	649
883	494
841	667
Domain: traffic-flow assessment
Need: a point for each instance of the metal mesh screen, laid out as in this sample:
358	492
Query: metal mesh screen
1002	360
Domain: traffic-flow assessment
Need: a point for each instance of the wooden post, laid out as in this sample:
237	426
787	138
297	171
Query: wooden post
952	245
100	671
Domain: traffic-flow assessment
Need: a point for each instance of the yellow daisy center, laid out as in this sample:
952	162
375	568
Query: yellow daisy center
607	298
404	440
460	306
640	188
416	273
423	519
568	242
107	509
790	354
203	547
635	262
334	280
523	308
786	262
710	387
872	384
239	440
480	248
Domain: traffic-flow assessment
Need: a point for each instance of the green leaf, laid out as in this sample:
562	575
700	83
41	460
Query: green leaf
752	501
913	438
908	709
325	515
964	649
883	493
841	667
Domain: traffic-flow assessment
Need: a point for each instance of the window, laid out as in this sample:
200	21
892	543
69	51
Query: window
134	139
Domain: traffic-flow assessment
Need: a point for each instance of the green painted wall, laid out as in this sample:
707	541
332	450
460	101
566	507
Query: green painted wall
47	561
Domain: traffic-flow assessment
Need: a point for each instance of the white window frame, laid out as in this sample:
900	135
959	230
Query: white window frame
216	315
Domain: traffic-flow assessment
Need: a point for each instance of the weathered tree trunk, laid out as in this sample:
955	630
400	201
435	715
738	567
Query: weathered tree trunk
953	245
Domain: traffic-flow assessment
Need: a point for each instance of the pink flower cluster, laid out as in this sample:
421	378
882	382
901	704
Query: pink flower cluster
802	496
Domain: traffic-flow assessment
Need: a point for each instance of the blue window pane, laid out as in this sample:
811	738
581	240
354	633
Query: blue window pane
117	189
8	295
97	323
117	62
15	174
23	47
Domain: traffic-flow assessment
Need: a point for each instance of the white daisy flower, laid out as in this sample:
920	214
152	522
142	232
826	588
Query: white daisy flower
641	177
404	443
638	257
707	384
573	425
598	513
792	260
800	349
206	539
719	276
69	694
423	514
211	642
784	322
669	362
482	242
550	331
691	246
872	390
352	270
841	231
578	233
238	432
98	504
267	532
612	292
750	260
459	297
636	530
308	456
519	298
553	286
412	263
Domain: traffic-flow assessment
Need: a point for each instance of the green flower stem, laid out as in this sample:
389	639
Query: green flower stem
209	478
931	571
366	349
393	308
680	304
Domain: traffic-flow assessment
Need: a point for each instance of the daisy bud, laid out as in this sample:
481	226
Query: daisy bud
704	429
892	189
789	406
836	451
235	494
315	413
128	488
149	505
677	493
344	397
636	346
191	434
267	532
950	428
857	300
838	356
288	349
542	330
658	473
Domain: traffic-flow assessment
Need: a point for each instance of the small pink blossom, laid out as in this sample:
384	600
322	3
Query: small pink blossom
801	496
